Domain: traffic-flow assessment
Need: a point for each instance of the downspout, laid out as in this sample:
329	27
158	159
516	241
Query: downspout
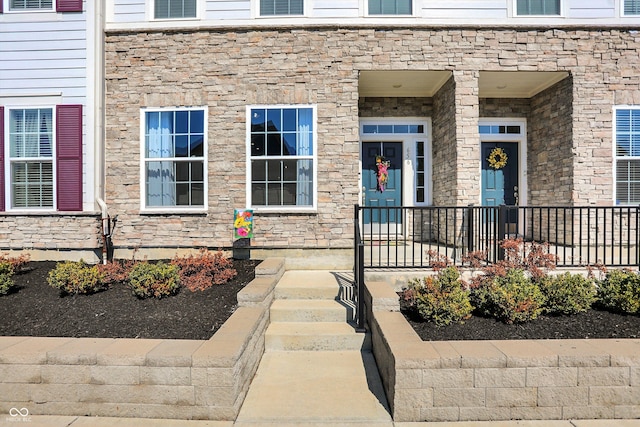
106	230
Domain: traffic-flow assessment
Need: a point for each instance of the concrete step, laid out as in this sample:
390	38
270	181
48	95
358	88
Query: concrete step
310	284
321	310
318	336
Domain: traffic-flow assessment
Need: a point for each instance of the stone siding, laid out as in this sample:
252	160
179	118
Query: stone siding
227	70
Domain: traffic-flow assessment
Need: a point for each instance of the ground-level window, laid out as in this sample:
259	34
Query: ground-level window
537	7
281	7
174	152
174	9
631	7
390	7
282	156
627	163
31	157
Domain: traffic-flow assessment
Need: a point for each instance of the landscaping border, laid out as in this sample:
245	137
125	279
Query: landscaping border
499	380
143	378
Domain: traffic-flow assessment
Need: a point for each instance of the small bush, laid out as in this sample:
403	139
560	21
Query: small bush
113	273
567	293
620	291
512	298
154	280
204	269
18	262
75	277
440	299
6	277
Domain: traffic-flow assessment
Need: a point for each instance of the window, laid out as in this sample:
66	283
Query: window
174	158
173	9
281	7
281	157
627	140
538	7
41	158
631	7
390	7
31	158
30	4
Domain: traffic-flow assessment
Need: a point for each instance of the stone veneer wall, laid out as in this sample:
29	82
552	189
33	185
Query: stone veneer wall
395	107
499	380
52	236
143	378
227	70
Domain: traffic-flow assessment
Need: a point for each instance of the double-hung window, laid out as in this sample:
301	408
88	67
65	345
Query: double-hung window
41	5
30	4
281	7
282	160
41	158
174	9
31	158
627	155
174	159
390	7
631	7
538	7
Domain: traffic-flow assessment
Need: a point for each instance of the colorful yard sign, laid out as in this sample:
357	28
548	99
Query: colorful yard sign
243	224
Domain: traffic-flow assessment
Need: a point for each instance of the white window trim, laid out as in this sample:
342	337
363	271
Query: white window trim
307	5
514	10
151	12
614	153
8	203
409	155
7	10
143	196
285	208
364	7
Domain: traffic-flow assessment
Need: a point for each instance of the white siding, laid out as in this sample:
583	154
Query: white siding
44	59
228	9
130	14
592	8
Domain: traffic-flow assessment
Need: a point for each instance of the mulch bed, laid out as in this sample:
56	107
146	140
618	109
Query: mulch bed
36	309
591	324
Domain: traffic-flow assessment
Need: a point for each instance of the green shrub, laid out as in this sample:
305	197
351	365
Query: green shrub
620	291
567	293
75	277
154	280
6	277
512	298
204	269
440	299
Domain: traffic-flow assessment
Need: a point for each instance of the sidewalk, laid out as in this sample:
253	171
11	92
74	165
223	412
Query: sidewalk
62	421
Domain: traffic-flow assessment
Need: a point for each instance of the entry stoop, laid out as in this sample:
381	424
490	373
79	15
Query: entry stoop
316	369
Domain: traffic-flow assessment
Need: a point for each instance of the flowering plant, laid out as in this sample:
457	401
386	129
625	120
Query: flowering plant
243	224
382	171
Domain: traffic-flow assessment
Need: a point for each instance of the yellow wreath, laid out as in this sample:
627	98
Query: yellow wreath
497	158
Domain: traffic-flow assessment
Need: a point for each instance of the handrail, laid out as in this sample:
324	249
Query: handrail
358	273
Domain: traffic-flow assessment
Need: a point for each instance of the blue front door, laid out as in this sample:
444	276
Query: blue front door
500	182
387	195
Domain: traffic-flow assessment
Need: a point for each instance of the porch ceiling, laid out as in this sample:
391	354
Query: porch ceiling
492	84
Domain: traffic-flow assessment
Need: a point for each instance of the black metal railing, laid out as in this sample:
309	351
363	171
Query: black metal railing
410	237
358	273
